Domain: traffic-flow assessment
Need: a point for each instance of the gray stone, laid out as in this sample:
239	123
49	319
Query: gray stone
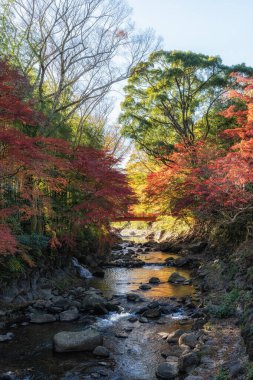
145	287
234	367
133	319
167	371
6	337
191	377
153	305
152	313
95	302
59	301
101	351
188	361
121	335
69	315
143	320
154	280
190	339
133	297
43	318
174	336
46	294
8	376
176	278
86	340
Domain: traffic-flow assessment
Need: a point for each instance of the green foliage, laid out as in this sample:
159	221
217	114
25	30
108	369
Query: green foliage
15	265
249	372
227	305
222	375
34	241
174	96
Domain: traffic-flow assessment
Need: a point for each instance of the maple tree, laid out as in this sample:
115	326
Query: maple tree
211	180
46	183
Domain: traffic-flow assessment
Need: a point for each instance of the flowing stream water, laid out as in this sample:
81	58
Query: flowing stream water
136	357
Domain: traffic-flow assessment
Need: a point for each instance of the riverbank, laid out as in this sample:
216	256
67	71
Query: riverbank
146	327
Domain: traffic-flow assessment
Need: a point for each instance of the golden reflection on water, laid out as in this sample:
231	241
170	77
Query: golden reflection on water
124	280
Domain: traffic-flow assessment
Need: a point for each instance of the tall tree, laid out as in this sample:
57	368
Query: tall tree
172	97
73	51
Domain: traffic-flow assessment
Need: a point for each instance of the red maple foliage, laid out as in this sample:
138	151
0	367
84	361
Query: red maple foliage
210	182
15	104
36	171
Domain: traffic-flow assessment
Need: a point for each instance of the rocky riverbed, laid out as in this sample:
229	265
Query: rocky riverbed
139	318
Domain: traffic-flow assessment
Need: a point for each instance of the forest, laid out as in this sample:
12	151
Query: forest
180	152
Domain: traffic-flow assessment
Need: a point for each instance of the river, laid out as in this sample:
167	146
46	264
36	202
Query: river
134	356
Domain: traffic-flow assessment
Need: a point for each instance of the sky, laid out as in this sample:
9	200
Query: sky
212	27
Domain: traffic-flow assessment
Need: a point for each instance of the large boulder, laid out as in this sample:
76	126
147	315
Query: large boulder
152	313
101	351
133	297
69	315
188	361
176	278
167	371
94	302
42	318
86	340
190	340
174	336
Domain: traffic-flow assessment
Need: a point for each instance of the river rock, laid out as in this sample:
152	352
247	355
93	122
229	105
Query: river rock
154	280
101	351
167	371
121	334
174	336
181	262
86	340
188	339
143	320
153	305
8	376
191	377
152	313
176	278
60	302
234	368
94	302
6	337
132	319
187	361
43	318
145	287
133	297
69	315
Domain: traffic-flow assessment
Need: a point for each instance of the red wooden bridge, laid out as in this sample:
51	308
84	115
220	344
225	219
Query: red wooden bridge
133	217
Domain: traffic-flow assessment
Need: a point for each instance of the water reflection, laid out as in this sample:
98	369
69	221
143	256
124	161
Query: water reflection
124	280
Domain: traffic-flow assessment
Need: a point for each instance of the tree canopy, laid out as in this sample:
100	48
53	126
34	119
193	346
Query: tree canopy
176	97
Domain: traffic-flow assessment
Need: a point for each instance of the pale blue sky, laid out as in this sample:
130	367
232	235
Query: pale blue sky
213	27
